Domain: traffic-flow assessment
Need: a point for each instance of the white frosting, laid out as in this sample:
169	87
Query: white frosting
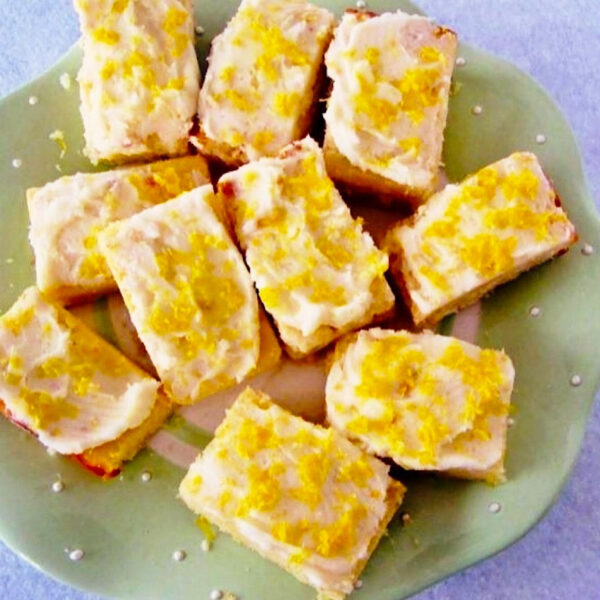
188	292
262	73
65	384
139	79
67	214
532	227
320	482
311	261
373	121
424	400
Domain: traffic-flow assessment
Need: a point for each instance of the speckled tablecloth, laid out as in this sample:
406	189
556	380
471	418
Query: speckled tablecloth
558	43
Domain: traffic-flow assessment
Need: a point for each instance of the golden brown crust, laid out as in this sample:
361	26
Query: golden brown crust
299	345
310	103
73	295
269	349
361	15
108	458
224	153
401	275
219	206
394	498
494	475
355	181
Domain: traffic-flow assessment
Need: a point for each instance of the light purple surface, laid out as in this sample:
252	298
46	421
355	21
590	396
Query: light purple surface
558	43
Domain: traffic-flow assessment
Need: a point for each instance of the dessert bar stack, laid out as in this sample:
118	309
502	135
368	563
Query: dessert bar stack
216	274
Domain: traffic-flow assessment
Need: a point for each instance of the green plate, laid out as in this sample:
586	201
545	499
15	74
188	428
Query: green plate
129	528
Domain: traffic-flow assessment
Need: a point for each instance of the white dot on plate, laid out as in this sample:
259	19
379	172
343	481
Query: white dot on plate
361	4
65	81
587	250
495	507
179	555
17	163
58	486
205	546
76	555
576	380
477	110
461	61
540	138
146	476
216	595
358	584
510	421
199	30
535	311
33	100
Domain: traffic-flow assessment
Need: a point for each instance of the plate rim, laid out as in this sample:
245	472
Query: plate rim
594	223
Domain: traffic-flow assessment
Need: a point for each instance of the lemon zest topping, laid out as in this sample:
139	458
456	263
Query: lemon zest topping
523	184
45	409
488	254
430	54
397	381
435	278
106	36
119	6
205	527
285	103
412	144
276	48
174	20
